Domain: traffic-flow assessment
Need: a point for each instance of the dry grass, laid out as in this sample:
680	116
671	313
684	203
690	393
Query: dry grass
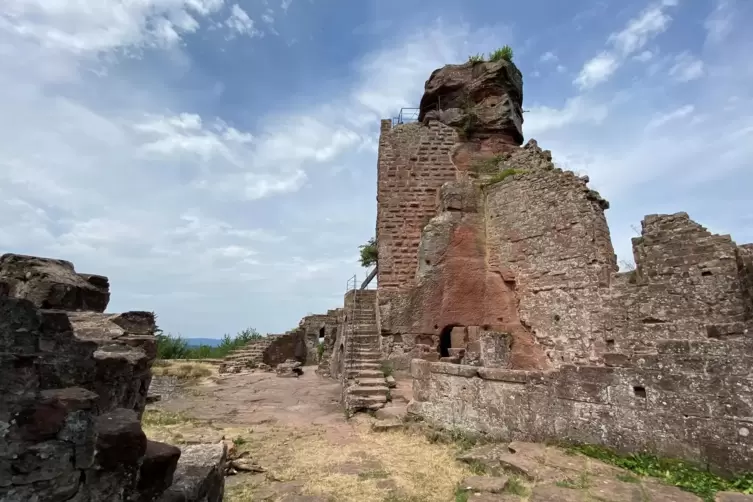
398	465
184	370
180	428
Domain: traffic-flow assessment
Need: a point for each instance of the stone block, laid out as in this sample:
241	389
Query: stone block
200	475
494	348
420	369
157	470
454	369
120	440
458	338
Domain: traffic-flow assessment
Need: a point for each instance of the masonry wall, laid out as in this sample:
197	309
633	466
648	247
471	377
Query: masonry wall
414	161
673	374
666	402
548	235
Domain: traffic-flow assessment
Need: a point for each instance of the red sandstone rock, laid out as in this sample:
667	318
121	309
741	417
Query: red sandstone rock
483	98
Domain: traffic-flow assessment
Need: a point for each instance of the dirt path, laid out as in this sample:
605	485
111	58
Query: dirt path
295	430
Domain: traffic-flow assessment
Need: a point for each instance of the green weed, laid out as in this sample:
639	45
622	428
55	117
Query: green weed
503	175
674	472
502	53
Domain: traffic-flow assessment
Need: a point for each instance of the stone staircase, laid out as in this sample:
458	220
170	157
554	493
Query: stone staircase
364	384
246	357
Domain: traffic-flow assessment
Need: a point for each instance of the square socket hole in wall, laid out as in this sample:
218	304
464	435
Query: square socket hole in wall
639	391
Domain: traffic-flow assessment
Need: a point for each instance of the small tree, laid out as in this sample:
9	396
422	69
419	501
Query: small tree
369	253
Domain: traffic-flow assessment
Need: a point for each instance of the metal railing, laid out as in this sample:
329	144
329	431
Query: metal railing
350	327
406	115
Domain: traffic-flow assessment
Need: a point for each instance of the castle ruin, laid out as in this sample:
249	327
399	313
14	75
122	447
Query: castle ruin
498	287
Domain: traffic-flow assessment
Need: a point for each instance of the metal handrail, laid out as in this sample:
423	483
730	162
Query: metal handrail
406	116
351	285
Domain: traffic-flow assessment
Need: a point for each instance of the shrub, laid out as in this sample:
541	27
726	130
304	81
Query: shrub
175	347
502	53
369	253
478	58
319	351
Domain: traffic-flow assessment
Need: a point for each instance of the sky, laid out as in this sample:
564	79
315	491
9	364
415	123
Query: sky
216	159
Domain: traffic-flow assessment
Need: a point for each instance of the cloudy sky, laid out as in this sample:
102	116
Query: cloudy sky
217	158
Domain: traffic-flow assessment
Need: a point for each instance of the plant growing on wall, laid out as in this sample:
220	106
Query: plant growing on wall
369	253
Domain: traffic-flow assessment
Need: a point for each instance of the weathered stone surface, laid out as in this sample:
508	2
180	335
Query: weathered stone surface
73	385
290	369
53	284
488	96
551	493
733	497
157	469
120	440
199	476
491	484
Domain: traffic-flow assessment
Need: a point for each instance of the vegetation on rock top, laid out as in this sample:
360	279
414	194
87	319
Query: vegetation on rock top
504	52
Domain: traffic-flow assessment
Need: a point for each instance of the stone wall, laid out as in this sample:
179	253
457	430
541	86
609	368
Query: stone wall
548	237
332	331
73	386
414	161
317	326
670	368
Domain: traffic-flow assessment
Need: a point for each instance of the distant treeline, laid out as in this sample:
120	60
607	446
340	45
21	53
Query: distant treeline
175	347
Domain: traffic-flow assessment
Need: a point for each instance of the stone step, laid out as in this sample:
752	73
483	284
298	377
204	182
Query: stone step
365	374
366	355
357	402
357	390
358	366
362	381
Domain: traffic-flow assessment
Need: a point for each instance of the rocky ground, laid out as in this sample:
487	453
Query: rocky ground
291	442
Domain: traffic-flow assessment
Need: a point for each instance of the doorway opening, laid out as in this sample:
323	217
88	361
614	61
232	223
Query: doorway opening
445	339
321	334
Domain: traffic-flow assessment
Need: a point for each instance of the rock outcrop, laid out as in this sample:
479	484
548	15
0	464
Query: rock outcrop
481	99
73	385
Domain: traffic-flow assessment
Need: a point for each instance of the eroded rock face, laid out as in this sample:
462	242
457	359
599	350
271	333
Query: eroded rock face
73	385
482	99
53	284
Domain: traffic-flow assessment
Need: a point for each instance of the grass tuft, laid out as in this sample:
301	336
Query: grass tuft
674	472
503	175
182	370
504	52
516	487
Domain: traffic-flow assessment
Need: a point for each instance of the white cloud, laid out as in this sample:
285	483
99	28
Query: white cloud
662	119
86	27
644	56
637	33
285	4
686	68
548	56
597	70
541	119
719	22
241	23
